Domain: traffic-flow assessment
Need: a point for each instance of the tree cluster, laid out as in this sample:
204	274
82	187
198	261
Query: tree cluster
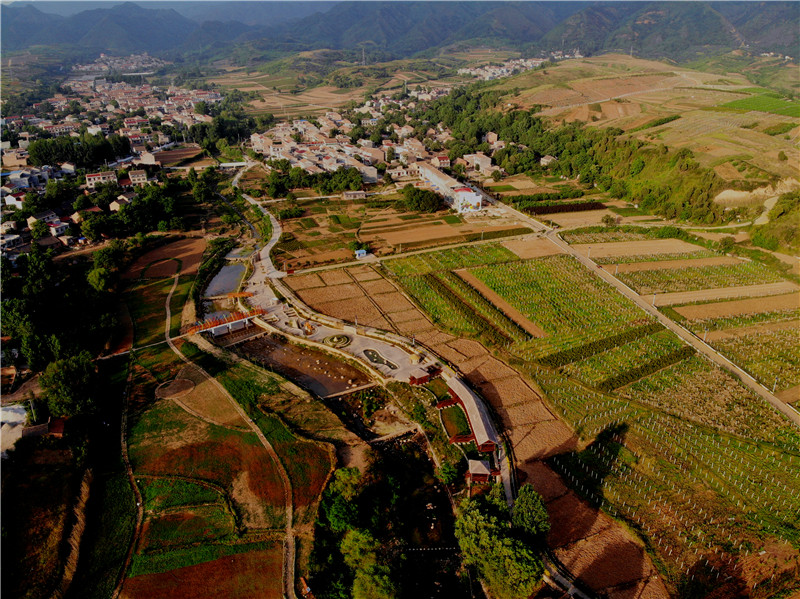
84	151
420	200
502	545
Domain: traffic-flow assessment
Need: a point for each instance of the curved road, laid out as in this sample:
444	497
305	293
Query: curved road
289	543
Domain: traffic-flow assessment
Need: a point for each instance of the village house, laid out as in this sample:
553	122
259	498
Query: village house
547	160
77	217
480	471
479	162
460	198
441	161
138	177
94	179
47	217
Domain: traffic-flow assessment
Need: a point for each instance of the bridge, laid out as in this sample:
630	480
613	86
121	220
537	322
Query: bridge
232	322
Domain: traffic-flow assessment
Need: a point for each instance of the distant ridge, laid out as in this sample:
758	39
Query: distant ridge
674	30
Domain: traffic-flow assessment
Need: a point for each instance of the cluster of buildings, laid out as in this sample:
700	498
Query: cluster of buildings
135	64
515	65
109	101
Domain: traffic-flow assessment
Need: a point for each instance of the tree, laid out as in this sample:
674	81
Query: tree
39	229
608	220
447	473
390	154
100	279
69	385
346	482
529	513
782	156
497	175
726	243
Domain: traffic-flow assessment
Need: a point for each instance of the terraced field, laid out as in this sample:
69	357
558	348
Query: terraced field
695	278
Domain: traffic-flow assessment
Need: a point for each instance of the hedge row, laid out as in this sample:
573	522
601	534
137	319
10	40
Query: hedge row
486	308
657	122
630	376
580	352
565	194
558	207
487	235
492	335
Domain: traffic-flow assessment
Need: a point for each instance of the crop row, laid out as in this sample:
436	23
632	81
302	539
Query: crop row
604	344
641	371
693	278
483	325
562	297
483	306
624	356
697	390
770	356
437	307
561	207
601	235
701	253
450	259
699	326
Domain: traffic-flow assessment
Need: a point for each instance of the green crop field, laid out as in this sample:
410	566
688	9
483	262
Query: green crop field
451	259
601	235
731	322
766	103
693	278
568	301
772	357
600	367
455	421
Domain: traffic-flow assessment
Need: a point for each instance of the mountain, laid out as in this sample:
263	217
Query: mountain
674	30
123	28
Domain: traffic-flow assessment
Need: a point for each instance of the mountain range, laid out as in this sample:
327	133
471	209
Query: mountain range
673	30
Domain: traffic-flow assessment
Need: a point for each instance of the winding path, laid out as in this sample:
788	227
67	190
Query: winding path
289	549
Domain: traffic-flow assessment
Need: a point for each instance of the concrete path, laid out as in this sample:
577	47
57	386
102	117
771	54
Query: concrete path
689	337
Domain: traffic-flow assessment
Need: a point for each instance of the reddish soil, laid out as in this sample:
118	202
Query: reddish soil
636	248
740	307
161	269
501	304
188	251
241	576
685	297
234	463
122	340
314	370
532	248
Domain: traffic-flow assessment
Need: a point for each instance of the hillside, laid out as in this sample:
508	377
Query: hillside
678	31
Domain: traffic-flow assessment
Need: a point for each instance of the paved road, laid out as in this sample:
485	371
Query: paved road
684	334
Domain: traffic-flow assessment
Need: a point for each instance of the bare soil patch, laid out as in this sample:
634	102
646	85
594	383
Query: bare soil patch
501	304
311	369
760	328
240	576
319	295
572	519
161	269
188	251
740	307
737	237
298	282
532	248
393	302
636	248
335	277
685	297
425	233
791	395
405	315
359	308
587	218
669	264
175	157
541	440
174	388
364	273
378	286
207	400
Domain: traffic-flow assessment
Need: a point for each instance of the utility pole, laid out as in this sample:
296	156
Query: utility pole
363	57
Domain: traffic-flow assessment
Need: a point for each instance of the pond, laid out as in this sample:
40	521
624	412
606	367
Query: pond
226	280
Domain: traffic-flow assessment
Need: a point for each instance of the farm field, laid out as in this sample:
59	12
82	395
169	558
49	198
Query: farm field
321	236
722	121
671	394
664	279
724	293
623	245
739	308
